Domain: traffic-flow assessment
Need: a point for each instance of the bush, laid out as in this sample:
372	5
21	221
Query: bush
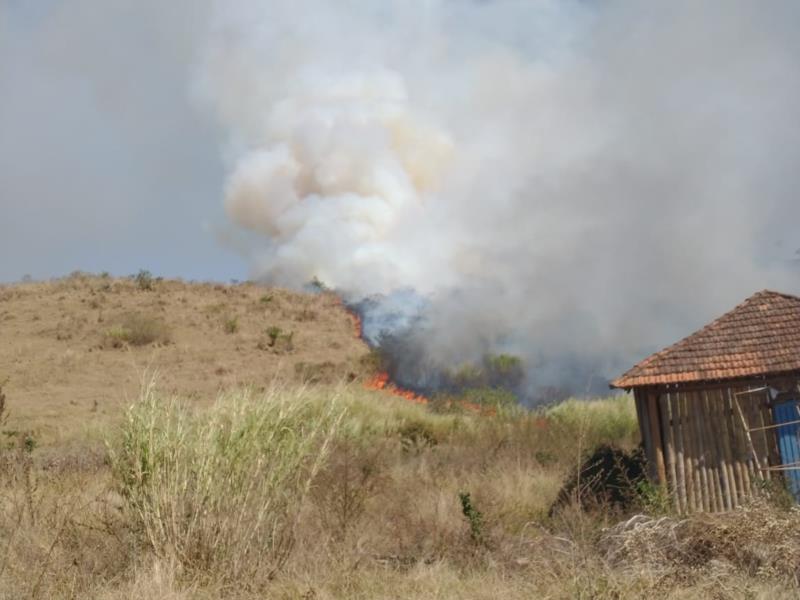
504	370
609	479
138	330
501	371
277	341
273	333
473	515
231	325
220	491
144	280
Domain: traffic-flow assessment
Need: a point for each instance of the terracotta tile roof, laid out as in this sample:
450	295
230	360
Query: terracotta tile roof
760	336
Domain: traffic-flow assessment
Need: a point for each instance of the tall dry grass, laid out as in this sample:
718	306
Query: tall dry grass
220	491
335	492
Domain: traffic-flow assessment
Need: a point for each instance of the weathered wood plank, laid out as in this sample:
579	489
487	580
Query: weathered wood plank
761	439
699	447
717	408
680	466
655	433
735	455
644	428
712	462
664	406
692	474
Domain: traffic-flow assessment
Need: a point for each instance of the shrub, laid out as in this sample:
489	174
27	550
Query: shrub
138	330
504	370
416	436
277	341
468	376
220	491
231	325
495	371
609	479
473	515
273	333
317	285
144	280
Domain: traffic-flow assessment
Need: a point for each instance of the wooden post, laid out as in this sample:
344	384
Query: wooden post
734	473
692	475
665	406
746	428
644	428
677	427
715	470
749	471
717	422
700	454
655	434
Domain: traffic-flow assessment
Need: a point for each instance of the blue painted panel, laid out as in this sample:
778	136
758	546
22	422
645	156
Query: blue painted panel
789	442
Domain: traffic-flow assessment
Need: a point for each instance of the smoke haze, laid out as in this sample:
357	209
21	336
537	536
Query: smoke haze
575	182
567	181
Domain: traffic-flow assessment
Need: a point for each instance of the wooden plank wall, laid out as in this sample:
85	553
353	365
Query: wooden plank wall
699	436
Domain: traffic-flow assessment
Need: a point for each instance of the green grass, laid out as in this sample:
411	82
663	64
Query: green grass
600	420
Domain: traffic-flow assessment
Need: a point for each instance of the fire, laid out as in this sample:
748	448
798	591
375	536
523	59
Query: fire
381	382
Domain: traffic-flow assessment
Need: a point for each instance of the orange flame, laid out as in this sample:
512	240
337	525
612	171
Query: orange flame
381	382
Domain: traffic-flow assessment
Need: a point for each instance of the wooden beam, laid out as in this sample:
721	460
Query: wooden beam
644	428
655	435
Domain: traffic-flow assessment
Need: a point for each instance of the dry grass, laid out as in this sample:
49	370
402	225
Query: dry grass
138	330
64	374
196	494
380	517
219	492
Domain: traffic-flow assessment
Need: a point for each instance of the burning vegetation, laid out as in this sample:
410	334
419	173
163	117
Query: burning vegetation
477	387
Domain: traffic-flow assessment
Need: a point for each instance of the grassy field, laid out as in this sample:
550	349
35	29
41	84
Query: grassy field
117	482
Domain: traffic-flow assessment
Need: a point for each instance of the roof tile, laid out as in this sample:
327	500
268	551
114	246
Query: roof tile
759	337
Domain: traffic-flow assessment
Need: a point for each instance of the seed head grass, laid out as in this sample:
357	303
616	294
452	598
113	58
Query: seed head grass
220	491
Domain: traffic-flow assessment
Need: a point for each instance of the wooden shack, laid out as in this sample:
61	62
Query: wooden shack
718	411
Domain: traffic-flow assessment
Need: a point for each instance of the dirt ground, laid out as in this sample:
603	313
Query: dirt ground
66	373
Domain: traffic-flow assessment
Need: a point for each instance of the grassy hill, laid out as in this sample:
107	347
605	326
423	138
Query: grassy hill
72	351
256	464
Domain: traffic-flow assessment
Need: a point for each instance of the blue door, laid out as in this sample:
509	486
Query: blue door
789	442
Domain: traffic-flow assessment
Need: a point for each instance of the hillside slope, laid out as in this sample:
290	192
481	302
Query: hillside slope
69	352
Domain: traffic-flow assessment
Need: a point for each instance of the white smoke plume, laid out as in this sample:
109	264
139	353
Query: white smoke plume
576	182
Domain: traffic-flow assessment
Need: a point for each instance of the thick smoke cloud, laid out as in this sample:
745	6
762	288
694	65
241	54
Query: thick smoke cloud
574	182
